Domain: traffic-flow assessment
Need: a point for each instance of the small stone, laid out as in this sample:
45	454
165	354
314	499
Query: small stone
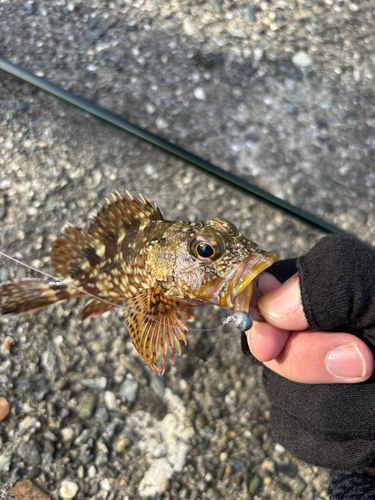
4	273
93	490
98	384
216	6
67	434
161	123
153	481
68	489
207	432
354	7
279	448
302	59
86	405
85	436
23	106
81	472
149	169
110	400
27	490
121	444
49	436
200	94
157	385
129	390
289	469
97	32
150	108
237	33
357	75
30	8
105	484
91	472
102	415
4	409
268	466
189	27
5	462
254	485
101	459
29	452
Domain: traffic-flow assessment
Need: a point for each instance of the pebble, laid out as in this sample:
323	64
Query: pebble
356	75
27	490
105	484
200	94
67	434
254	485
101	459
157	385
29	452
5	462
189	27
30	8
91	472
4	409
68	489
150	108
110	400
129	390
155	478
237	33
279	448
98	384
86	405
85	436
302	59
102	415
161	123
49	436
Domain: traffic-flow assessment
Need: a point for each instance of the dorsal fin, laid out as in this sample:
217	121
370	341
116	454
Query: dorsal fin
115	220
76	252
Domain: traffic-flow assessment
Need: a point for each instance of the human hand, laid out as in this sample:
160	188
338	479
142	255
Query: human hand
326	420
286	345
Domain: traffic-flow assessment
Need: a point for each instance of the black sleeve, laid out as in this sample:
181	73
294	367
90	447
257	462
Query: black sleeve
330	425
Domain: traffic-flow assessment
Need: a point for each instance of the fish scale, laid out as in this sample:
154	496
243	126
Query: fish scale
154	268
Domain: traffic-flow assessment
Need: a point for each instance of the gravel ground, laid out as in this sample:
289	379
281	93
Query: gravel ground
280	93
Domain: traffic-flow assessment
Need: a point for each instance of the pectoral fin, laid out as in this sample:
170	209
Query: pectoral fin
154	326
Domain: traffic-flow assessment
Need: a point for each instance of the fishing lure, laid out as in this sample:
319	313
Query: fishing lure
157	270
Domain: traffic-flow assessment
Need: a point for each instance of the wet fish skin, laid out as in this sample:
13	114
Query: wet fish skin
131	256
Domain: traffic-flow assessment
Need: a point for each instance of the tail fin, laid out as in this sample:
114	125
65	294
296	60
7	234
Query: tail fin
29	294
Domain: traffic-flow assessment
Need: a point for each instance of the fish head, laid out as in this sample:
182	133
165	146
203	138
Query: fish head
209	262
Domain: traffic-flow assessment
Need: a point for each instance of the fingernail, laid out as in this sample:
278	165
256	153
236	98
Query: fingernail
346	361
283	301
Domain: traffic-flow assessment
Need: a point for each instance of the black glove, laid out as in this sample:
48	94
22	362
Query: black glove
330	425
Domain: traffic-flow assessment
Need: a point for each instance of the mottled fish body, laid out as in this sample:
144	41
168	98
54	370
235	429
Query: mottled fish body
131	256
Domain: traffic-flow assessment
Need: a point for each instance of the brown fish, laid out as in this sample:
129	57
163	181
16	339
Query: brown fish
154	268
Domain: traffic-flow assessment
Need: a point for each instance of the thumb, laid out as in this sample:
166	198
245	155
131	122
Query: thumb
282	307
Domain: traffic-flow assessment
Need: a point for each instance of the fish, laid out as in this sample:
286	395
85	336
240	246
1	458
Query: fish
156	269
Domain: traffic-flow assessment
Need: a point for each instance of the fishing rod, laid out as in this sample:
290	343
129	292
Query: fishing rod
166	146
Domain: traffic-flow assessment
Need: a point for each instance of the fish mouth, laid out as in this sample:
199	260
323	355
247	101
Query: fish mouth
240	286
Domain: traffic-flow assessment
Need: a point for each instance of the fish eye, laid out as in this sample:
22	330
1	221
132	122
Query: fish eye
207	246
205	250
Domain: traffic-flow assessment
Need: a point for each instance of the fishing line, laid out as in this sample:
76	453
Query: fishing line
131	311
